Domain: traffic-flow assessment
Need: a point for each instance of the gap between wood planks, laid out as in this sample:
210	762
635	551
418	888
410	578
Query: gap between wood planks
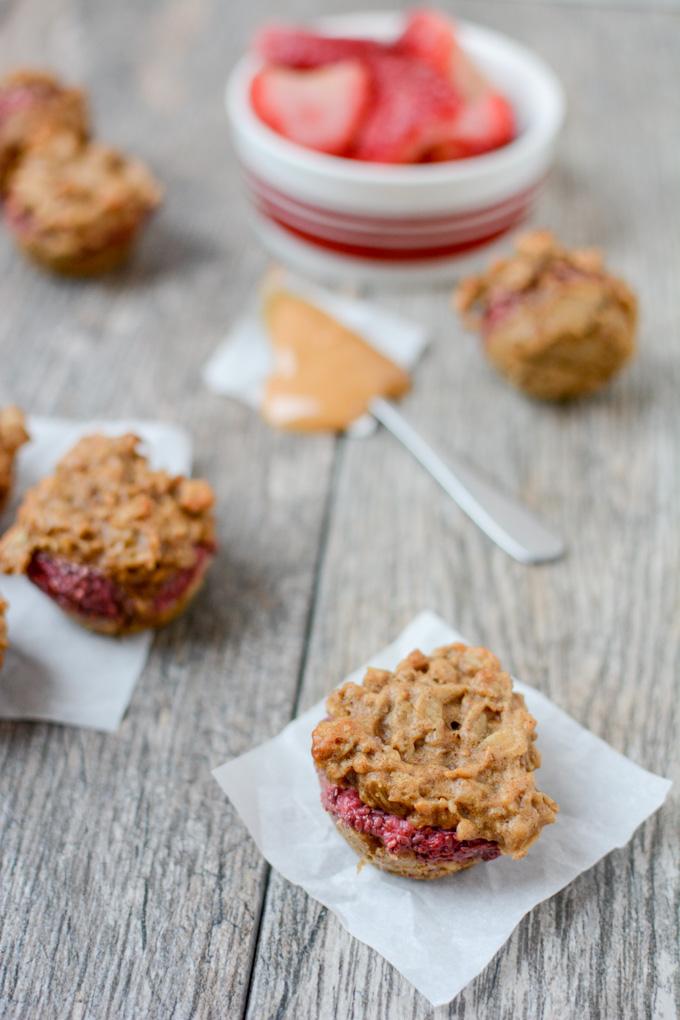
338	456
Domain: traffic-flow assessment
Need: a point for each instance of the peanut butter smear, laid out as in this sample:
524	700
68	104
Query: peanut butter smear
324	376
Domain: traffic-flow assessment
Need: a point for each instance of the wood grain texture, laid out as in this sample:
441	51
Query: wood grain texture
598	632
128	887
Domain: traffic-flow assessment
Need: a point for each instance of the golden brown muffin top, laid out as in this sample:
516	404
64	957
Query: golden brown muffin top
442	741
13	435
540	264
106	508
77	196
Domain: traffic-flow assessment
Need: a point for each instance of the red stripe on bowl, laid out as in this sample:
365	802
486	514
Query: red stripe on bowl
391	238
398	254
261	187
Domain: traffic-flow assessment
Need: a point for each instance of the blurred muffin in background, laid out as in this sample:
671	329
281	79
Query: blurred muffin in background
554	322
78	208
33	106
13	435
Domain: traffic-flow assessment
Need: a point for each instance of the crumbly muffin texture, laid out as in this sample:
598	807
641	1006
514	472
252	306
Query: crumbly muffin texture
13	435
554	321
35	105
105	508
77	207
442	741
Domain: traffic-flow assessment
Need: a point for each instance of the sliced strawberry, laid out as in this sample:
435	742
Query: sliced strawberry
320	109
483	124
294	47
430	36
411	106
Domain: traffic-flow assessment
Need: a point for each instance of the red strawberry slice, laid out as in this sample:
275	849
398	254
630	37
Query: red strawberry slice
429	36
411	107
483	124
320	109
294	47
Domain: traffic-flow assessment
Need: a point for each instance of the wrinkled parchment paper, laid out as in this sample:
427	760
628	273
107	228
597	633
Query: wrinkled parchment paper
242	362
54	669
440	934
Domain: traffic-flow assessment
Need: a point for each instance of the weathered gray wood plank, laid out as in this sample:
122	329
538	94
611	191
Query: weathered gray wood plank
597	632
127	887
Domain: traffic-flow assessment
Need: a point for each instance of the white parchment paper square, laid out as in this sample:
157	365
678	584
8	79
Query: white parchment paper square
242	362
440	934
54	669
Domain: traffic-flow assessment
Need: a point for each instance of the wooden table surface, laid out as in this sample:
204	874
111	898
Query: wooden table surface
128	886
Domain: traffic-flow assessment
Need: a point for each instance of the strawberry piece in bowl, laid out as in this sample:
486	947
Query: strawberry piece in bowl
300	49
411	110
398	196
482	125
486	120
417	97
429	36
320	109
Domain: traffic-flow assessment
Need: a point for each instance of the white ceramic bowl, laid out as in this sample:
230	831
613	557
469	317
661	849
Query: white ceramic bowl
337	217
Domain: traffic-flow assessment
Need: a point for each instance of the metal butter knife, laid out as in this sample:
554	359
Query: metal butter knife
507	523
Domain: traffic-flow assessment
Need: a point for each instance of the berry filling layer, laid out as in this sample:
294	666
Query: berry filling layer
397	835
176	587
88	593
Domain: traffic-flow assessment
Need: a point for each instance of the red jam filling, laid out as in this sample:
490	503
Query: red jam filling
87	592
398	835
177	585
76	588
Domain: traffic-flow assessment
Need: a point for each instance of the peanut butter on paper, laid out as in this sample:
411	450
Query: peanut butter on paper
324	375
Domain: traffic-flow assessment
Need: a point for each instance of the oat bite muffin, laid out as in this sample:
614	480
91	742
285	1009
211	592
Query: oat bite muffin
428	770
118	546
13	435
553	320
78	209
33	106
